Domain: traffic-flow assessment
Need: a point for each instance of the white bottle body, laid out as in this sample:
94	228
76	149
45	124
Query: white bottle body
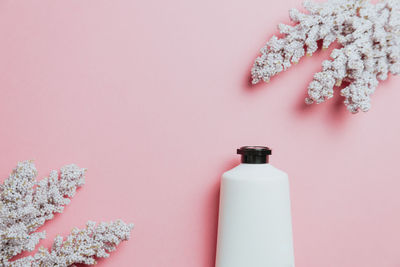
255	228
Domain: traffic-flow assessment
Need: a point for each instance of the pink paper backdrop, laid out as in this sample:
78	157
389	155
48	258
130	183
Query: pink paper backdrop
153	98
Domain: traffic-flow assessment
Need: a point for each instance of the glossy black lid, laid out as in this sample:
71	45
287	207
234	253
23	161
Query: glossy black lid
254	154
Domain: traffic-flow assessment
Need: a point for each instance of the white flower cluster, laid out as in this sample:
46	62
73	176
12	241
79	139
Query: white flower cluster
81	246
26	204
369	35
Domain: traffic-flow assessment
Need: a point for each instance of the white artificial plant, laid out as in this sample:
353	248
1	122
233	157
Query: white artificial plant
26	204
369	39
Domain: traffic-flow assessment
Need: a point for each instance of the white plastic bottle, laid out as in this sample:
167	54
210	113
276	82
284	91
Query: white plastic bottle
255	228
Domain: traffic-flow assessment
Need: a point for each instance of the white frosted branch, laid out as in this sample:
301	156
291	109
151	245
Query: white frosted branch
81	246
369	36
26	204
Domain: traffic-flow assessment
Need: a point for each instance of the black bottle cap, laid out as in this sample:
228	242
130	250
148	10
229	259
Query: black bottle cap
254	154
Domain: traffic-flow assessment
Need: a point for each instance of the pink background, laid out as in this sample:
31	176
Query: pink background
153	97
